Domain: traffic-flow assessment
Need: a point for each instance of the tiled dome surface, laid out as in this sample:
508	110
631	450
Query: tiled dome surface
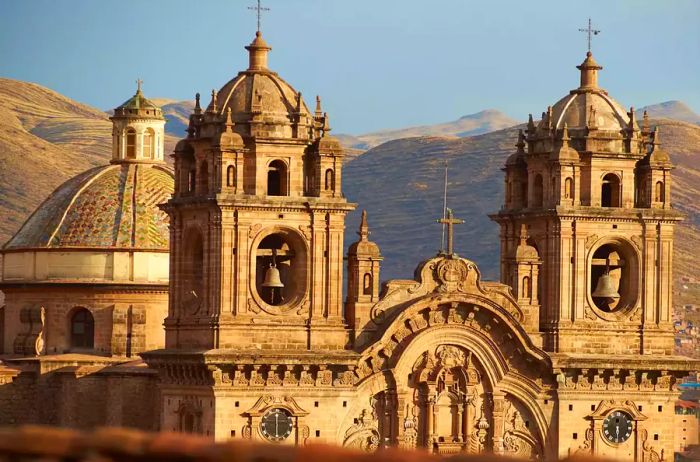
114	206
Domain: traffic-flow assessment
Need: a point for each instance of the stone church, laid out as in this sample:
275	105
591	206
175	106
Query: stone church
571	353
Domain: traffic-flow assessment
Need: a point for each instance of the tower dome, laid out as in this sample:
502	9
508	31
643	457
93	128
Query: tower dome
261	102
588	105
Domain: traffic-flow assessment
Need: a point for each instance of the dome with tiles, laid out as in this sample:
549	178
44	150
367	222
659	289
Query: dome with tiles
111	207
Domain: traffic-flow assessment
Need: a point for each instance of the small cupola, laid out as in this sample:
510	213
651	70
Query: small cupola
589	72
138	130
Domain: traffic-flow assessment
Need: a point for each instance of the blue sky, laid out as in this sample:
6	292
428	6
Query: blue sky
376	63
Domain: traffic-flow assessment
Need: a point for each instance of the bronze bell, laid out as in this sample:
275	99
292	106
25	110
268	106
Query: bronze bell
272	277
605	287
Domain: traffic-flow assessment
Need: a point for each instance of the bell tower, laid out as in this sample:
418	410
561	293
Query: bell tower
587	203
258	217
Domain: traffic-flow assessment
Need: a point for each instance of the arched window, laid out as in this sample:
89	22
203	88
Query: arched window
509	192
131	144
148	139
367	284
330	180
277	178
569	188
204	178
537	193
231	176
527	287
610	191
523	193
659	195
82	329
191	180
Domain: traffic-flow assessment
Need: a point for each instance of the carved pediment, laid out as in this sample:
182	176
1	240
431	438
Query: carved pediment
267	401
608	405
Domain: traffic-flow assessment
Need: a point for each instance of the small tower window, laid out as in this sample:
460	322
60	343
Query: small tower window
537	193
569	188
610	192
553	193
82	329
231	176
659	194
148	139
523	193
527	287
131	144
277	178
191	180
509	192
330	180
367	284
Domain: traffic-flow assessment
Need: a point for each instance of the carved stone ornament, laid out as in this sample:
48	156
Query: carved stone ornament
637	241
254	229
364	433
306	231
590	240
450	356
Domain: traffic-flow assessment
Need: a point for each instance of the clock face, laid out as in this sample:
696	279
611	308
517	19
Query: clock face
276	424
617	427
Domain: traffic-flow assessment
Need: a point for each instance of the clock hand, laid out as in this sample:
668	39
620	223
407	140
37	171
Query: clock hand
617	432
277	417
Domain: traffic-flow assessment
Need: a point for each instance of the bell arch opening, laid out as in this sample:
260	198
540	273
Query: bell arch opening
610	191
277	178
280	268
613	282
231	176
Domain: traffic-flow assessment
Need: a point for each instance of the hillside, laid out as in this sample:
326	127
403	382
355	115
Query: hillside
468	125
676	110
407	175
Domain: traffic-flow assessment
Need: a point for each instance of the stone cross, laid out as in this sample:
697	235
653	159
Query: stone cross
138	85
258	9
590	31
450	221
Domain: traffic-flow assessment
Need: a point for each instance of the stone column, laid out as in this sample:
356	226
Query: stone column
430	421
498	421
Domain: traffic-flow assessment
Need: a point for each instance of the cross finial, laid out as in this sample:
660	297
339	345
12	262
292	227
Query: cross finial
450	221
138	85
591	32
258	10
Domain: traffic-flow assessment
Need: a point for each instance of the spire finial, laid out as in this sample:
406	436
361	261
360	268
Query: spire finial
139	82
229	122
657	136
197	107
565	135
318	111
364	228
521	141
258	11
523	234
213	101
590	32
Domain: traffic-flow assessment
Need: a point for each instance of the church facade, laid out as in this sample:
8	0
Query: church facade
570	353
